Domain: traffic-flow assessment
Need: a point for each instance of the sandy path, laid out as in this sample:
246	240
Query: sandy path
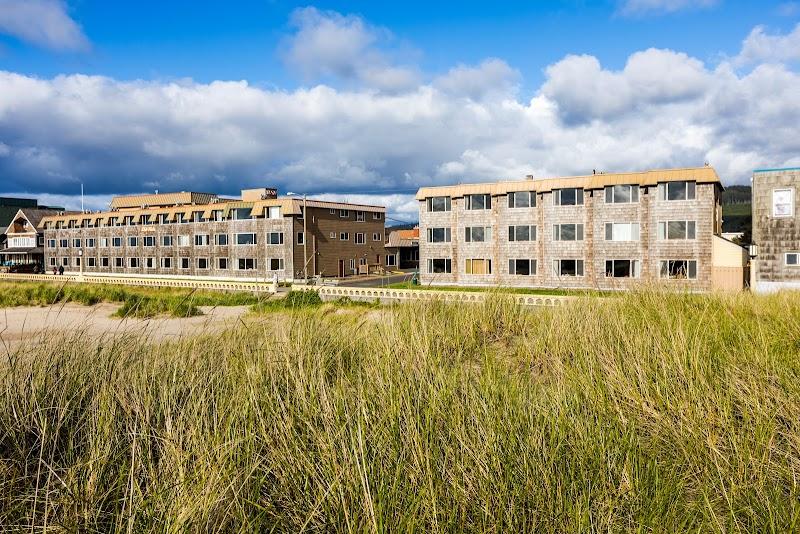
27	324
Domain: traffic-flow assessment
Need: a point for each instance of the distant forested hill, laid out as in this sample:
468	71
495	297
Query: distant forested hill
736	210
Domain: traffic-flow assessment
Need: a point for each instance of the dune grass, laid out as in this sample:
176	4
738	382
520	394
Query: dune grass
511	290
649	413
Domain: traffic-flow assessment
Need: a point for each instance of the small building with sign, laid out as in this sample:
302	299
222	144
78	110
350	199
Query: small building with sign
776	230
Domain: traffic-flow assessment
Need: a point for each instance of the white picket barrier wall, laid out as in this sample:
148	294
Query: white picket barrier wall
214	285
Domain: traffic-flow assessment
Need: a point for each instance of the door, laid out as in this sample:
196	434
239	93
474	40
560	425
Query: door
341	268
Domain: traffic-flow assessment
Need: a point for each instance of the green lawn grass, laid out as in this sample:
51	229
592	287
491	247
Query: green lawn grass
650	412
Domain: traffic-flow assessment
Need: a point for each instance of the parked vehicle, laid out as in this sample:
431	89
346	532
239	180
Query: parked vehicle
33	268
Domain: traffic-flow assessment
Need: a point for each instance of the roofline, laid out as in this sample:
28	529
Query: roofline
777	170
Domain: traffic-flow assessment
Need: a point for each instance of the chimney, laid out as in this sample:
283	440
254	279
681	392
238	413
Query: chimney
529	177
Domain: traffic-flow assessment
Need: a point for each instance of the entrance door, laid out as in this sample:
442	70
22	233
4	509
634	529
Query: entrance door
341	268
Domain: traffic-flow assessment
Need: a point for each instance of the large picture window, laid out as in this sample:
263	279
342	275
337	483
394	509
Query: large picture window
571	196
622	268
435	265
670	191
439	235
438	204
678	269
677	230
568	267
522	267
477	202
246	239
522	199
523	232
622	194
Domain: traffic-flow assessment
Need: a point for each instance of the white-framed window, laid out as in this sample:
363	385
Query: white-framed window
376	215
273	212
438	203
678	269
217	216
133	263
522	199
180	218
791	259
783	202
275	238
332	235
166	240
183	241
478	202
623	268
362	261
119	262
53	261
116	241
478	266
391	260
202	263
184	263
477	234
242	214
361	238
221	240
361	216
51	243
149	241
77	262
671	191
91	262
570	196
90	242
352	264
376	236
201	240
103	242
247	264
246	239
76	243
275	264
163	218
344	214
133	241
622	231
150	263
524	267
622	194
104	262
344	236
439	235
222	263
333	211
166	263
439	265
570	267
568	232
676	230
301	238
522	232
63	243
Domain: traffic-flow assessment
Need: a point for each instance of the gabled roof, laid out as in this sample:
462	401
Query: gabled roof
592	181
403	238
34	216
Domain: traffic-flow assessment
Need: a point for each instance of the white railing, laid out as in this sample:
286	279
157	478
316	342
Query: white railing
216	285
386	295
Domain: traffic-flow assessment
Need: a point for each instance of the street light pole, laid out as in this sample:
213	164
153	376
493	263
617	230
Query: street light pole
305	241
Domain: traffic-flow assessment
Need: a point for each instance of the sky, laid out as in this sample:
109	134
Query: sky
367	101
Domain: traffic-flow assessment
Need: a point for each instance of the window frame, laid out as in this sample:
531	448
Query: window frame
448	265
447	236
470	204
558	232
469	236
431	204
579	196
533	266
611	190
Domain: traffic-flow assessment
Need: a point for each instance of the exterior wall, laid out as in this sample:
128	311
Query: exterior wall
775	236
594	250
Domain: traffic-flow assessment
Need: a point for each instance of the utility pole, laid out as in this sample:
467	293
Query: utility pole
305	241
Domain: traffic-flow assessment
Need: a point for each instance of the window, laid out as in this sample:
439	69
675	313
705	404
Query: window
275	238
439	265
301	238
622	231
568	232
332	235
522	267
344	236
183	240
302	214
676	191
201	240
104	262
202	263
221	240
65	261
103	242
184	263
477	234
76	243
477	202
222	263
166	263
391	260
376	215
438	235
216	215
352	264
362	261
90	242
361	238
275	264
438	203
568	197
51	243
333	211
133	241
247	264
791	259
272	212
783	202
133	263
246	239
522	233
241	214
63	243
166	240
91	262
622	268
179	218
568	267
149	241
676	230
344	214
376	236
622	194
678	269
129	221
118	262
53	262
150	263
116	241
478	266
360	216
522	199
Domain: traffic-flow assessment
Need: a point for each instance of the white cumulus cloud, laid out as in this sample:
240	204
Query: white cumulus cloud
44	23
